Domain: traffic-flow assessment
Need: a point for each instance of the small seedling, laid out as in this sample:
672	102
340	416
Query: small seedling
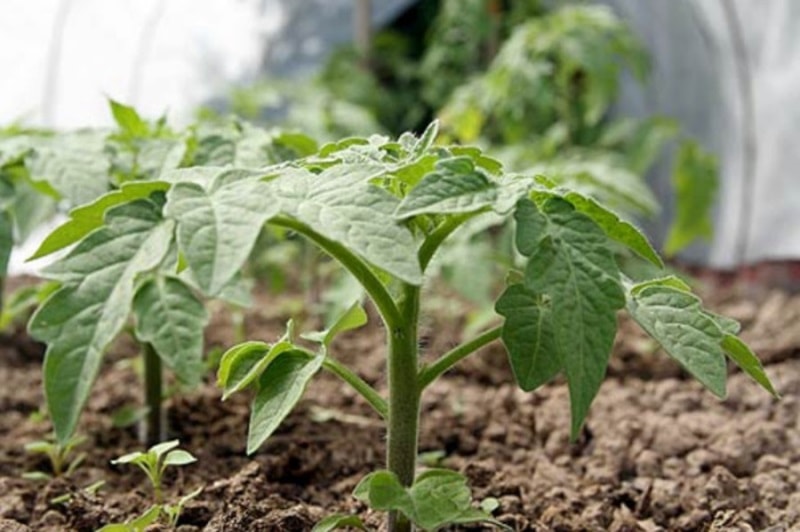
63	461
137	524
155	461
151	516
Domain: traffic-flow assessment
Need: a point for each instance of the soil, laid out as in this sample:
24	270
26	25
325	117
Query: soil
657	453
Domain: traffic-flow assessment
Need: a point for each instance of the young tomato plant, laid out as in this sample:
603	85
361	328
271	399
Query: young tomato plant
382	209
125	261
155	461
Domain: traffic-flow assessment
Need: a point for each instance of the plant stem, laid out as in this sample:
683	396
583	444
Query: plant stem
404	395
435	239
374	287
367	392
430	373
154	428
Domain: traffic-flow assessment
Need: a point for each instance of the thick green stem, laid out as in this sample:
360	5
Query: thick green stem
404	396
358	384
430	373
154	428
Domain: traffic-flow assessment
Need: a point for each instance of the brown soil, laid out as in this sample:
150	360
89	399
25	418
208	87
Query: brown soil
658	453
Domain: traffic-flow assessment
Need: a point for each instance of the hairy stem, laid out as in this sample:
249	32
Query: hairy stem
154	428
430	373
358	384
401	451
373	286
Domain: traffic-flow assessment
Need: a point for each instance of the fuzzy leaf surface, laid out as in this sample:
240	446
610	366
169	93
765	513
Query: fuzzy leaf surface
80	319
615	227
171	318
455	186
341	205
218	227
676	320
86	218
571	264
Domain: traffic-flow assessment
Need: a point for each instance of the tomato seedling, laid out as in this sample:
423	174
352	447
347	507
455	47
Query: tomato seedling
155	461
382	208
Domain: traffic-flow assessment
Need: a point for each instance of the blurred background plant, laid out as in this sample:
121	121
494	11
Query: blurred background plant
533	85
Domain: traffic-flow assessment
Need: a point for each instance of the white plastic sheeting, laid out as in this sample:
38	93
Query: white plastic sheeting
729	71
60	59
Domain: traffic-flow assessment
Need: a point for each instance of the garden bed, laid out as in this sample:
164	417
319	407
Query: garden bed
658	452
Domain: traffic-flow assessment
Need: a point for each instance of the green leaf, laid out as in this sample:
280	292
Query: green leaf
74	164
695	179
616	228
6	241
425	140
353	318
676	320
178	457
85	219
726	324
438	497
340	205
146	519
241	365
528	336
337	521
383	491
670	281
171	318
571	265
455	186
280	387
161	448
740	353
129	120
80	320
218	227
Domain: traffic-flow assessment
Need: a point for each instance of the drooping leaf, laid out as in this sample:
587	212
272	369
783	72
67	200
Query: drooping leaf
572	266
676	320
85	219
696	181
171	318
528	336
743	356
79	320
340	205
455	186
218	227
281	386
